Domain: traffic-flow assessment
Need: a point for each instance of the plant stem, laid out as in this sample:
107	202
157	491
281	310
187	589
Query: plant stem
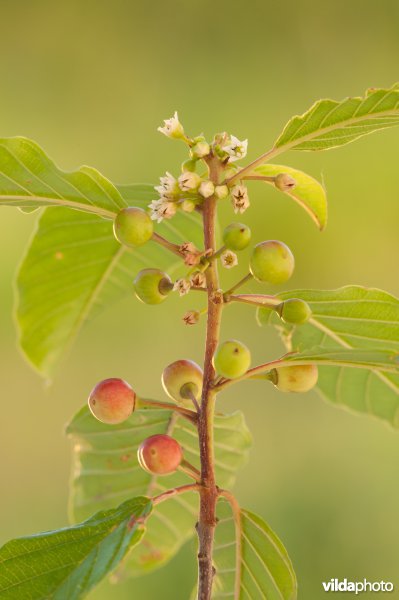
183	412
208	491
238	284
174	248
191	487
255	300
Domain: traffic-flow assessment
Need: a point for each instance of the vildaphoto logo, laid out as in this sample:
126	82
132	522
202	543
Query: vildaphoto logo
335	585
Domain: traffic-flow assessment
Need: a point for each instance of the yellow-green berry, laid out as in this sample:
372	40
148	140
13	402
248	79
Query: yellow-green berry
133	227
294	311
272	262
236	236
152	286
183	379
295	378
232	359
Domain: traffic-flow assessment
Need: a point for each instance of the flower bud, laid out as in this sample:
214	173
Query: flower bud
284	182
188	205
200	149
189	181
221	192
206	189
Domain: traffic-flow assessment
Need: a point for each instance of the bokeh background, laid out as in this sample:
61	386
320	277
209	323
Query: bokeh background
90	82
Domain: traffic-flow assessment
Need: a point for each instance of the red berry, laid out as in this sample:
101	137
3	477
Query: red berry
112	401
160	454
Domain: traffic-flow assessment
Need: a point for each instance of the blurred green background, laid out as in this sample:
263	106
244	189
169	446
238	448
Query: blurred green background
90	82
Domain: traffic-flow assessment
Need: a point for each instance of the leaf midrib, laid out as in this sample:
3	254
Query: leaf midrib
90	208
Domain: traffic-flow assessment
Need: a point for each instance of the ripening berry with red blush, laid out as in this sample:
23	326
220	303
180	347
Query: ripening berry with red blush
160	454
112	401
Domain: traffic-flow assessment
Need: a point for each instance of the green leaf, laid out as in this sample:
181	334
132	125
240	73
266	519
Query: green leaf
65	564
308	192
379	360
29	179
328	124
74	267
250	560
351	317
106	471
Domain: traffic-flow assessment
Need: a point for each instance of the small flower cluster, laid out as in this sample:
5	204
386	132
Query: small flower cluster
190	189
184	285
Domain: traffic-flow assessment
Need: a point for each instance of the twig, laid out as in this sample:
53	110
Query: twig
190	487
183	412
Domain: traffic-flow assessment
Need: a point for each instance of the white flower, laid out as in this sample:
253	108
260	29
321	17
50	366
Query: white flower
189	181
168	186
198	279
172	127
239	198
162	209
206	189
236	149
182	286
229	259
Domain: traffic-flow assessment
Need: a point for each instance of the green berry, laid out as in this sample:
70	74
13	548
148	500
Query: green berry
294	311
236	236
296	378
272	262
181	379
112	401
133	227
160	454
152	286
232	359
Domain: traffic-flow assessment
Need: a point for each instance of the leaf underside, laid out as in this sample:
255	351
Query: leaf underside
355	318
106	471
329	124
251	562
66	564
74	268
